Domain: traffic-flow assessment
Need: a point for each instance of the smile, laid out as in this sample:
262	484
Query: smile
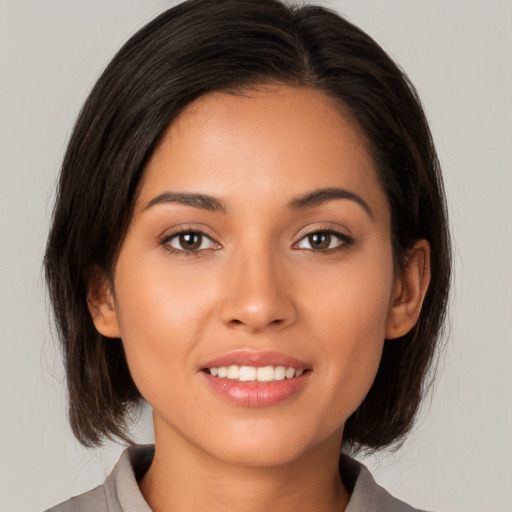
256	379
255	374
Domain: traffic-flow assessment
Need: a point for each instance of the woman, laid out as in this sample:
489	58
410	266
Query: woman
250	234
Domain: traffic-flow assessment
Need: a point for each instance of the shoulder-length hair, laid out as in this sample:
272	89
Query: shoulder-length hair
201	46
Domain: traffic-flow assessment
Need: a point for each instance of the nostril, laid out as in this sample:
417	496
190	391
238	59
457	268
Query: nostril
251	325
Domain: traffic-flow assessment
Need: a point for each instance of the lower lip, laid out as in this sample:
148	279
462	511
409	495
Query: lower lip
256	394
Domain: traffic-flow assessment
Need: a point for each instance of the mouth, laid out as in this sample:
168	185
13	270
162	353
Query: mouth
254	373
256	379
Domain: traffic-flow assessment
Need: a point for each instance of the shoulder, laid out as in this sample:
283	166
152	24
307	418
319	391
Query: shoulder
366	494
93	500
120	490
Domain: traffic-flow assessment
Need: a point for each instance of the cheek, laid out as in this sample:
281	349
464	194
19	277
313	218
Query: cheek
349	322
161	316
354	346
353	301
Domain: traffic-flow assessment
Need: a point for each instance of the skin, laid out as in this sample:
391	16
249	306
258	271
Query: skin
256	283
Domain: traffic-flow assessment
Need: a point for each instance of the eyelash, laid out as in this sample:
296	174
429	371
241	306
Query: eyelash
166	242
345	242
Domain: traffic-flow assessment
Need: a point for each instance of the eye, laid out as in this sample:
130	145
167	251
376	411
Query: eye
188	241
324	241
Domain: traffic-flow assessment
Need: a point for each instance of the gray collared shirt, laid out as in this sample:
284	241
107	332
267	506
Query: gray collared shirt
121	493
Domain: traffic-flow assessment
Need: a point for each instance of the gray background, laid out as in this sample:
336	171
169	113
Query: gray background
459	55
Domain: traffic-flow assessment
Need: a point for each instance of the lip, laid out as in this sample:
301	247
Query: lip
258	359
256	394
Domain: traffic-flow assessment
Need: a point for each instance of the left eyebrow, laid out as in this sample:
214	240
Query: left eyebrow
322	195
201	201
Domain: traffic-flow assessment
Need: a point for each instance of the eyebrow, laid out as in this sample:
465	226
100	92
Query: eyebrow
322	195
201	201
309	200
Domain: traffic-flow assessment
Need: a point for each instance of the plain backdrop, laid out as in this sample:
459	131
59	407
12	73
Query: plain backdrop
459	55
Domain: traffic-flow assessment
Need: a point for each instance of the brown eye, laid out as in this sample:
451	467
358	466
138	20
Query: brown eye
320	241
324	241
189	241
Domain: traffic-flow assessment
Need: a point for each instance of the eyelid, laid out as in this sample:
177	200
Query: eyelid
165	239
346	240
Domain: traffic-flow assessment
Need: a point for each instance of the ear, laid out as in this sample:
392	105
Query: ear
409	291
101	304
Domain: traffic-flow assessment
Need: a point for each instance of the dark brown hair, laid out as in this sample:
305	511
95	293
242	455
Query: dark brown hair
210	45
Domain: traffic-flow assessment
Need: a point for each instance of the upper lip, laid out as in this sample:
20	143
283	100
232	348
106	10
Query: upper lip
257	359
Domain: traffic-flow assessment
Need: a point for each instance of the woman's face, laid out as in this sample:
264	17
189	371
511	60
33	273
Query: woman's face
260	240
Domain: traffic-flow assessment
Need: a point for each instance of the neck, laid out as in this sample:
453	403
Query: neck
184	478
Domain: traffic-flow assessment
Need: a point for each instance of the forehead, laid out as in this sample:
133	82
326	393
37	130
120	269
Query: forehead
279	138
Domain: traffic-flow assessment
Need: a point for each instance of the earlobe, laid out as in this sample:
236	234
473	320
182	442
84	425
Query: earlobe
409	291
101	304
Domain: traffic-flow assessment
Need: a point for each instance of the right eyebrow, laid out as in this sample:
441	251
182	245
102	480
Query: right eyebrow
201	201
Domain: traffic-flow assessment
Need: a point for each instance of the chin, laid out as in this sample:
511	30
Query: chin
256	455
267	444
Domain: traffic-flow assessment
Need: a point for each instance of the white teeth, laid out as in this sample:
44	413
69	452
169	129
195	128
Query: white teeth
279	372
265	374
252	373
289	373
233	372
247	373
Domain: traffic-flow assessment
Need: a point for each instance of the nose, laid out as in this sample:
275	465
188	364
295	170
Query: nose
258	295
